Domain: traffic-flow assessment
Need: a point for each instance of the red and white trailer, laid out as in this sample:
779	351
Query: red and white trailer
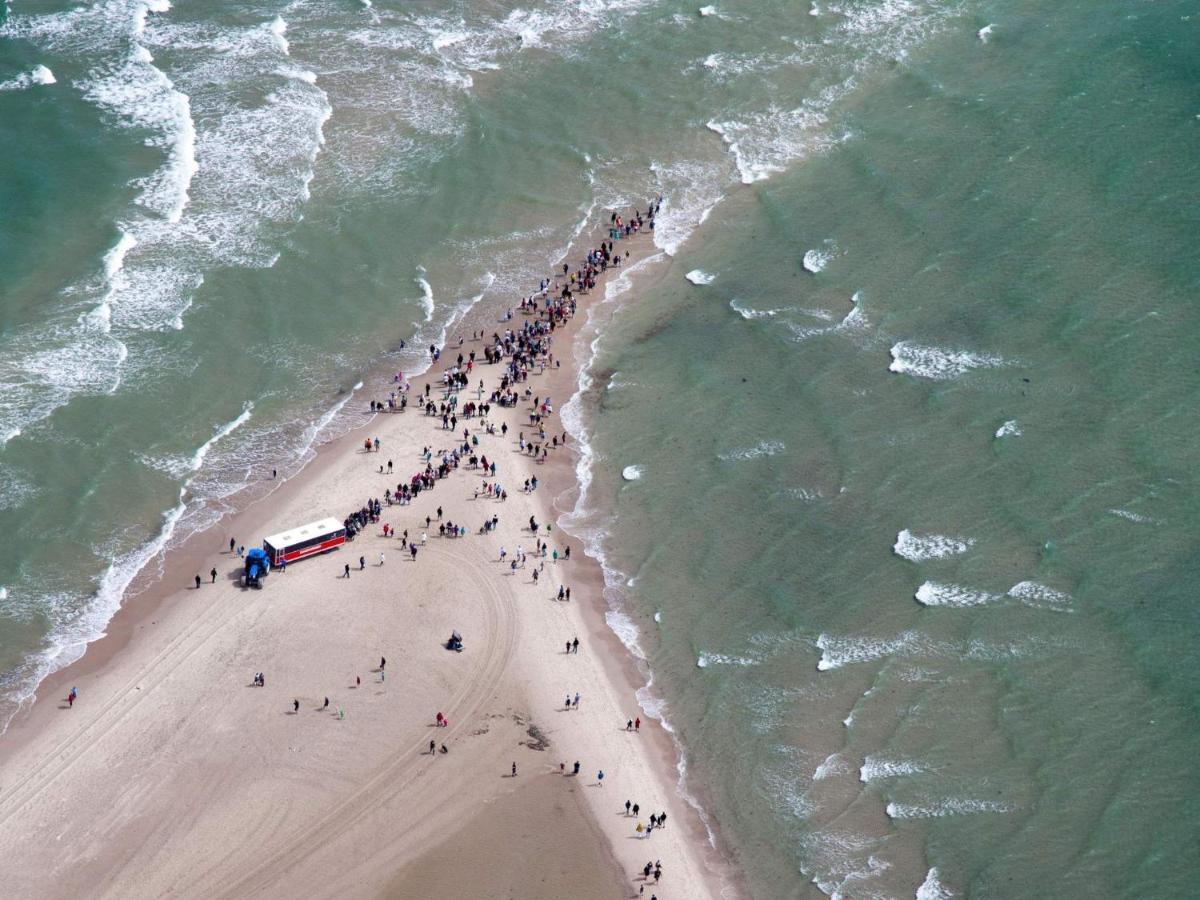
307	540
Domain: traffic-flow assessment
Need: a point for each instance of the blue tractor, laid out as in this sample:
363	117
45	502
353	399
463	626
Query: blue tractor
258	566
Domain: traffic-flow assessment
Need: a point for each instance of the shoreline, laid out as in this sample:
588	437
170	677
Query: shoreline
129	626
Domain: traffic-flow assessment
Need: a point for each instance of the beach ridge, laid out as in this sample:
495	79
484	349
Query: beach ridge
275	805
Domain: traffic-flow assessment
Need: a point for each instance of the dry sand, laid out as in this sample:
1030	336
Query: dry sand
174	775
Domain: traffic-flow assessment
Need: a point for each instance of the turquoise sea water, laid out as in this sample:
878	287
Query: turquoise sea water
891	465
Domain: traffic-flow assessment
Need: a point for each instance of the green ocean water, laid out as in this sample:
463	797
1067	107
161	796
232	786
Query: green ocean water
908	542
1005	704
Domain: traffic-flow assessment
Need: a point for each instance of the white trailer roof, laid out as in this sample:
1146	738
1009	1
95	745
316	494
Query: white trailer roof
303	533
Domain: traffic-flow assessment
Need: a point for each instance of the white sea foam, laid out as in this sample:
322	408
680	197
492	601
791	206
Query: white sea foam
985	33
758	451
1131	516
278	28
114	259
938	363
698	276
306	75
932	889
1035	594
813	9
853	322
866	38
721	659
766	142
223	431
42	75
426	293
833	765
816	260
1009	429
952	806
708	11
257	165
752	314
931	593
625	629
842	651
36	75
875	768
802	493
691	191
69	640
141	96
631	473
838	651
924	547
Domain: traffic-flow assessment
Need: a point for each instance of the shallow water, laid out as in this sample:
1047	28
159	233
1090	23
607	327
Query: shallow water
912	533
910	414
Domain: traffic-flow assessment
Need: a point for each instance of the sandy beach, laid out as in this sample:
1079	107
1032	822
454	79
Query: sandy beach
174	774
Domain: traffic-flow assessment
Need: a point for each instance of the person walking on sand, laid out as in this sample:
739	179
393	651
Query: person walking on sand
326	706
575	645
213	573
71	700
197	582
346	571
433	748
627	805
637	724
232	545
514	770
629	725
577	699
381	558
636	807
600	778
362	563
295	706
382	663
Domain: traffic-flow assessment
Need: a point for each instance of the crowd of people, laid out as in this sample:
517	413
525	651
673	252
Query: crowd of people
520	352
